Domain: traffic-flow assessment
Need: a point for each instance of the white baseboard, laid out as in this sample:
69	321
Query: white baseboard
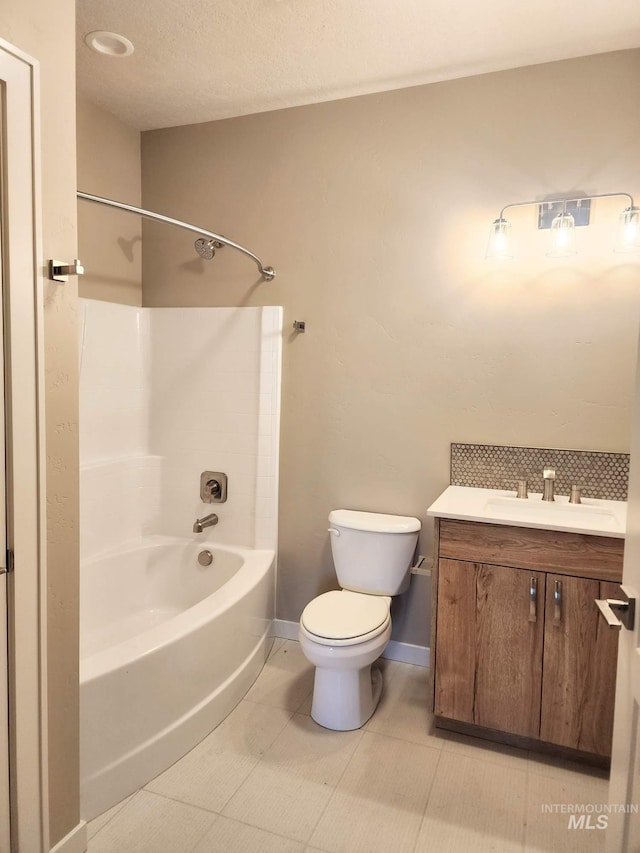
74	842
284	629
408	653
403	652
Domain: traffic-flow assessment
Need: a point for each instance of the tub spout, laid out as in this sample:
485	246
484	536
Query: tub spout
208	521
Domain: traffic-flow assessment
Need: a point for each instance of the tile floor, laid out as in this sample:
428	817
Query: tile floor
269	780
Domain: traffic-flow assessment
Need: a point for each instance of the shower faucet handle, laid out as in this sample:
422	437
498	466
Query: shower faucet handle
213	487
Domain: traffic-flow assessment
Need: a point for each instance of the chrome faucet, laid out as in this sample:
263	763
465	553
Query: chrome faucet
208	521
549	479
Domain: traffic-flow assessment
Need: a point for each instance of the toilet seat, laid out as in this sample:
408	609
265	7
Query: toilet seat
344	618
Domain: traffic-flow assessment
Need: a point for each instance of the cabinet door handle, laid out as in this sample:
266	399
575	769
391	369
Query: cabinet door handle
533	600
557	603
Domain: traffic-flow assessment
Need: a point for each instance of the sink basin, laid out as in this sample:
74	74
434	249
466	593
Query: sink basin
594	516
534	508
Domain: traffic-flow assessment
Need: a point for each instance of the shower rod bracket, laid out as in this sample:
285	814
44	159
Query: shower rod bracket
268	273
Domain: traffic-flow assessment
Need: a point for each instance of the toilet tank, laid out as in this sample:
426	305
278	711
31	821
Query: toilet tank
372	552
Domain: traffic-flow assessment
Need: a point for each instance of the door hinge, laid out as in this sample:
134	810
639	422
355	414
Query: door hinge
10	563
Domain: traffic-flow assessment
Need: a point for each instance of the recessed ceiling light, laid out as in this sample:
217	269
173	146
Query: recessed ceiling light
110	44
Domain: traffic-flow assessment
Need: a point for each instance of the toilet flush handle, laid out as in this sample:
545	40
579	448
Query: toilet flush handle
334	531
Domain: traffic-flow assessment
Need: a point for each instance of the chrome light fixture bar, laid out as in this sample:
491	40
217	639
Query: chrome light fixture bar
562	227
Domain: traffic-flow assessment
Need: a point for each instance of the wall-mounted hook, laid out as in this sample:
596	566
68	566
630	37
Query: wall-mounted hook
299	326
59	271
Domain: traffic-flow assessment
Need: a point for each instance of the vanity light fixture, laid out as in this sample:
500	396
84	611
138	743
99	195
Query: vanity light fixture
561	216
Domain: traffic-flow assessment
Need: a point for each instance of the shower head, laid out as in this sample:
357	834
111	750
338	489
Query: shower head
207	248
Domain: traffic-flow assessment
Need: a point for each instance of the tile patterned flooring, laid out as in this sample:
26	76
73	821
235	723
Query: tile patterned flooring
269	780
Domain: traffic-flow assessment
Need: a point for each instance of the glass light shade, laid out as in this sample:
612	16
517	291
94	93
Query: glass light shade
563	236
499	247
628	233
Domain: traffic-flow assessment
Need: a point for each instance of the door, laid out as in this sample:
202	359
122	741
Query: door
579	666
623	833
5	835
489	659
5	803
22	487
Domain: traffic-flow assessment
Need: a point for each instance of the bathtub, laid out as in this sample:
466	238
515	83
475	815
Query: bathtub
168	647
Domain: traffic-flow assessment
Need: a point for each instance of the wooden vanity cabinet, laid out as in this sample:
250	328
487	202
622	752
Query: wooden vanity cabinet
489	661
519	647
579	659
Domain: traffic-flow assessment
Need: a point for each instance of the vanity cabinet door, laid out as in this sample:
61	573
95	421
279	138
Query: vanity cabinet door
580	654
489	650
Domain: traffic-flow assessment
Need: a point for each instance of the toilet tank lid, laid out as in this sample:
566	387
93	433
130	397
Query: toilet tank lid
373	521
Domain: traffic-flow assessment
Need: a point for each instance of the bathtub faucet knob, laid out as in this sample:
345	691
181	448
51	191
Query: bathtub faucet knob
214	488
208	521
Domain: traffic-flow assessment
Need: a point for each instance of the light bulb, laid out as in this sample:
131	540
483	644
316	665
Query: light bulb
628	233
499	246
563	236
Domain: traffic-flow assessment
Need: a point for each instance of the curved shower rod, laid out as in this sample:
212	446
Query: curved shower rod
268	273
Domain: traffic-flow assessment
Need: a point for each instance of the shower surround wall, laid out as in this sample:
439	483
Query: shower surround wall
164	395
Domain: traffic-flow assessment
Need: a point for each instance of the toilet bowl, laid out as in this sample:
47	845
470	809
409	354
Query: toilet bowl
345	691
343	632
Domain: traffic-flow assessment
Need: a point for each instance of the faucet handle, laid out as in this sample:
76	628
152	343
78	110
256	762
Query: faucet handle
548	484
213	488
521	489
576	495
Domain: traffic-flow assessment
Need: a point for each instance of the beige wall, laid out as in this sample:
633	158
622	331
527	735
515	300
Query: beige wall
46	31
375	212
109	240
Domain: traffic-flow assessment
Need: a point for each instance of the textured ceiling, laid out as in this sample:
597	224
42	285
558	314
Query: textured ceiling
199	60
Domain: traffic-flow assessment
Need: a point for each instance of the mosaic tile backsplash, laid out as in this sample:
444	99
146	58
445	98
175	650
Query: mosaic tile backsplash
602	475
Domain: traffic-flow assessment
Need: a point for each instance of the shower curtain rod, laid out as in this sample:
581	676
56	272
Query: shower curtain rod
268	273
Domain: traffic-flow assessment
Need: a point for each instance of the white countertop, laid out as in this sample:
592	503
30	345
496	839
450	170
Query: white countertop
493	506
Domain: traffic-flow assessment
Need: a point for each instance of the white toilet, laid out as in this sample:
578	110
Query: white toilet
343	632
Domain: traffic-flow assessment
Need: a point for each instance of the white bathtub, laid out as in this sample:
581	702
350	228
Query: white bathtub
167	649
